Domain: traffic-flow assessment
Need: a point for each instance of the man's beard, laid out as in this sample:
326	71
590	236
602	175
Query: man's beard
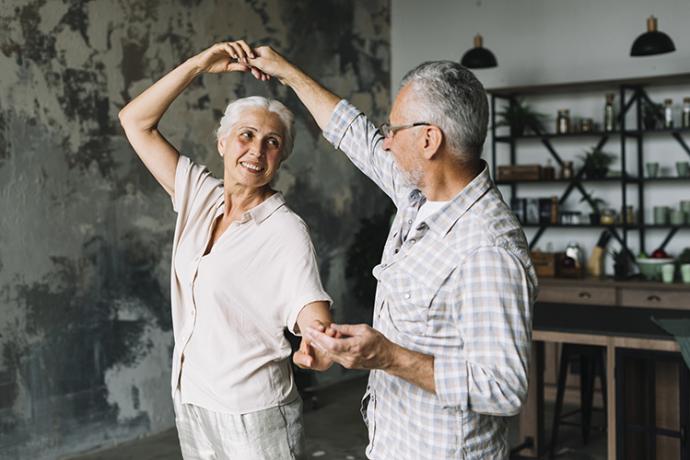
413	178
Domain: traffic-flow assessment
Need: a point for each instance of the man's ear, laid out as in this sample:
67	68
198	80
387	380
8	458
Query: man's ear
221	146
432	140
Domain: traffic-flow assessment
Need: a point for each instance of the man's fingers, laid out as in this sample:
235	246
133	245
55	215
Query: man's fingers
349	330
326	343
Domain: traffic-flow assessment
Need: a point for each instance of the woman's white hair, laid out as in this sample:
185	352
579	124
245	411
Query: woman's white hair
233	114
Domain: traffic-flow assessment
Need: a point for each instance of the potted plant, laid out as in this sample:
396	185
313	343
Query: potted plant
519	116
596	204
596	163
652	114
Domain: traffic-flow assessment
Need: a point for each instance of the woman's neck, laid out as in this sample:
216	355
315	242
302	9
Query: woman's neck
240	199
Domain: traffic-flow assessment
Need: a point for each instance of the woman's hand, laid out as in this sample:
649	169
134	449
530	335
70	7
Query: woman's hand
310	357
228	57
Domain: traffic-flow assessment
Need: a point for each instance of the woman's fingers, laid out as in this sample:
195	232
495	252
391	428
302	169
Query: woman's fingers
248	53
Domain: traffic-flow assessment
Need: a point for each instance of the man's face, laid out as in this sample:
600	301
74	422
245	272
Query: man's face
403	144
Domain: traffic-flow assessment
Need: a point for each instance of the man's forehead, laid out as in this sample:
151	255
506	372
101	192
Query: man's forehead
400	103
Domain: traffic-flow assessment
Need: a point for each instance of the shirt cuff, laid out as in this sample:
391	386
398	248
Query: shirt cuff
342	117
450	379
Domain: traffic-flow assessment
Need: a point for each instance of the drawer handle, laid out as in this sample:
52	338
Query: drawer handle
654	298
585	295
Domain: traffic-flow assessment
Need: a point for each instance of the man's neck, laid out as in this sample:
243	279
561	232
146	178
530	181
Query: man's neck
444	181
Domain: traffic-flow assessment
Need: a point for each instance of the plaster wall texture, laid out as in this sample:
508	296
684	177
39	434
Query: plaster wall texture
85	231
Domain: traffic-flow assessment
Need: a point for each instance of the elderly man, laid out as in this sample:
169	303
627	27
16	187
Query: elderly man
451	335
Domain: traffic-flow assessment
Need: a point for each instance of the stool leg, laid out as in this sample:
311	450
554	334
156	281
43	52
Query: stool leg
586	395
560	390
602	379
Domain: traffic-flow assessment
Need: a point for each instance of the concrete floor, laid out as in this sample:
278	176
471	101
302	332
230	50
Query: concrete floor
335	431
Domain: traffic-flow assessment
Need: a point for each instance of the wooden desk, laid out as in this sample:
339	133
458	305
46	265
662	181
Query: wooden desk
607	314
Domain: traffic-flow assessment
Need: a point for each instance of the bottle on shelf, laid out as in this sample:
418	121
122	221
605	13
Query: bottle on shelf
563	121
609	113
548	172
685	122
567	170
554	210
668	113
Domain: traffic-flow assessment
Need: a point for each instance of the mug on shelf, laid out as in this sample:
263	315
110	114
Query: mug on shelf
661	215
652	168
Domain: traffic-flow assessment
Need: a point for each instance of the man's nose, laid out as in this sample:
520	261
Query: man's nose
387	143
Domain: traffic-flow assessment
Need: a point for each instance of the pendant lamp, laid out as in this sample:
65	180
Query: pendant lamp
478	57
652	42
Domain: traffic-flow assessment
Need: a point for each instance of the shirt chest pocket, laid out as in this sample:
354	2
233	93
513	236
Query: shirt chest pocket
409	306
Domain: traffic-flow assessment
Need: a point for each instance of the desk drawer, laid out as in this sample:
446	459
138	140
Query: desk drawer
579	295
650	298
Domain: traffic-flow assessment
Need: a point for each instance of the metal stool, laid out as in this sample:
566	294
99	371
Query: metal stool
591	364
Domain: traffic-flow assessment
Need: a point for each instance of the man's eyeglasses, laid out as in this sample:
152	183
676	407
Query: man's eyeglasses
388	131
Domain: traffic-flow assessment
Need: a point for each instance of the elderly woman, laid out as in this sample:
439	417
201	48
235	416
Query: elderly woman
243	269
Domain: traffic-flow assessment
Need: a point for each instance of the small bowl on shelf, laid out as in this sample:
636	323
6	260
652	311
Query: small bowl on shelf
651	268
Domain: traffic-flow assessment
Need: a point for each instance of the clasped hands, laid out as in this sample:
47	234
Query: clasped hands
263	62
353	346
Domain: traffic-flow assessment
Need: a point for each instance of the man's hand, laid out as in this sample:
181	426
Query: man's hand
357	346
308	357
268	61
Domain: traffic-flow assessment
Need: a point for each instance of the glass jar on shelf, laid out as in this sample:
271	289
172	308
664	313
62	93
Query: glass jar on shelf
608	217
668	113
609	113
685	122
563	121
567	170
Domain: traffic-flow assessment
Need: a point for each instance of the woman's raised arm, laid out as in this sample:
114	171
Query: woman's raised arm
140	117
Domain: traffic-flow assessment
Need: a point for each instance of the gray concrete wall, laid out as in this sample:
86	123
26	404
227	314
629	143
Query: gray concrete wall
85	232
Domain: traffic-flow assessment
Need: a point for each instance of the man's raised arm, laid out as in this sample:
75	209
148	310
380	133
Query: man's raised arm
319	101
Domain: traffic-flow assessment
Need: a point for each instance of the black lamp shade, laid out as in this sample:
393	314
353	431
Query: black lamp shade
652	42
478	57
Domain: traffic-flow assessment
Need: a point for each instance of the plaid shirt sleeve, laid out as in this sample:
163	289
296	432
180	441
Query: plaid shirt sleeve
350	131
489	374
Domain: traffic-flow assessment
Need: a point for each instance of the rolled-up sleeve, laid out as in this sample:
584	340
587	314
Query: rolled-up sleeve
488	373
350	131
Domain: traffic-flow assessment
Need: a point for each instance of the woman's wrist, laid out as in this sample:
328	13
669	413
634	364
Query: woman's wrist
194	65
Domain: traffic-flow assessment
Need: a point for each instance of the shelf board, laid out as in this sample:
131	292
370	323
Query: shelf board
667	227
629	226
592	85
666	179
567	181
627	132
508	138
579	225
639	132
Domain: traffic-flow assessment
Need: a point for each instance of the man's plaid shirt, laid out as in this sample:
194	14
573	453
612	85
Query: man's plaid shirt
459	287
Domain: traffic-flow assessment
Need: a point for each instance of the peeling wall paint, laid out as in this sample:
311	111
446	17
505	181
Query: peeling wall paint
85	232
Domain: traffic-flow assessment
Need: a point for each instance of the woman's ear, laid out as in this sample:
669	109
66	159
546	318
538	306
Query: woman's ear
221	146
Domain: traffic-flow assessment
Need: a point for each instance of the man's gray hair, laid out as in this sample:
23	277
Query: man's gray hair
449	96
233	114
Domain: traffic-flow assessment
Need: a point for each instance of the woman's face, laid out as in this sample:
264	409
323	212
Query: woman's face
252	151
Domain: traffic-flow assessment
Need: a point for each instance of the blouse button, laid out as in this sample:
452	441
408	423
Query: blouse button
407	295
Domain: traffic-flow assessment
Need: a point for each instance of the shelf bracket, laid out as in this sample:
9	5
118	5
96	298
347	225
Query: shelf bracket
682	142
